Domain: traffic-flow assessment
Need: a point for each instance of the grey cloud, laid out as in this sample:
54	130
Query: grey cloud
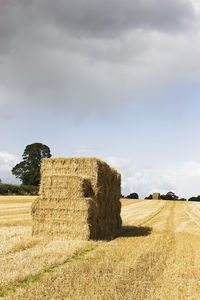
110	18
78	25
88	54
96	19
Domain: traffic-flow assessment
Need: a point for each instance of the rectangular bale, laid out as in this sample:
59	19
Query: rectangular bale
87	186
156	196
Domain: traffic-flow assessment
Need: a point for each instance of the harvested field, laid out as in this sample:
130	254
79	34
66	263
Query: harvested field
22	255
131	214
16	210
16	199
157	260
125	201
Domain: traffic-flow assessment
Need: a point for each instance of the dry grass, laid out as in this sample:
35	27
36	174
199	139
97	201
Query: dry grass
11	212
16	199
15	210
126	201
140	211
21	255
157	261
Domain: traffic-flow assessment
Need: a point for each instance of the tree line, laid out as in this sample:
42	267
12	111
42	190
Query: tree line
28	172
167	196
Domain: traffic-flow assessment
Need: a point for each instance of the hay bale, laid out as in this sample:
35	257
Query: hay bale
79	198
156	196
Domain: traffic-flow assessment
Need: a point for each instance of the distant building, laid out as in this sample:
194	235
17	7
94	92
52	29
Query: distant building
156	196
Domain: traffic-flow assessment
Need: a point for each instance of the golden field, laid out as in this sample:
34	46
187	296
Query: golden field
156	256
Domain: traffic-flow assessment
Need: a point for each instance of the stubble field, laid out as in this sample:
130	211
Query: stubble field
156	256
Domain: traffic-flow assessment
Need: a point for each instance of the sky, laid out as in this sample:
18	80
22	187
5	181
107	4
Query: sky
118	80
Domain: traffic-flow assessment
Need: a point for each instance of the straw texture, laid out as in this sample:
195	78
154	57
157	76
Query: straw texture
156	196
79	199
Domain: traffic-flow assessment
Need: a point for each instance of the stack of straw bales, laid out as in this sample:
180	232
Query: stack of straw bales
79	199
156	196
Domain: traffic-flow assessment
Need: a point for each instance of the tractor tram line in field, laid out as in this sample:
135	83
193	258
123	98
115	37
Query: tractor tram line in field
156	257
105	248
152	216
138	213
154	263
193	215
34	278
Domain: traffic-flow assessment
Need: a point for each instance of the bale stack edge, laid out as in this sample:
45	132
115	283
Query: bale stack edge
79	199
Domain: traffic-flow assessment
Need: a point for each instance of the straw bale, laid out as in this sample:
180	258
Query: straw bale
156	196
65	186
79	198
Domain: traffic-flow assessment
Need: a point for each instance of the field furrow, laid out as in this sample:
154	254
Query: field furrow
158	260
137	213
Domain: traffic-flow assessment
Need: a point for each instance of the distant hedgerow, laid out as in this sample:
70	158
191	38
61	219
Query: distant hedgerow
11	189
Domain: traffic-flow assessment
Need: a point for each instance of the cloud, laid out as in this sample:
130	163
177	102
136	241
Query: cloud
111	18
183	178
92	56
7	162
6	157
96	19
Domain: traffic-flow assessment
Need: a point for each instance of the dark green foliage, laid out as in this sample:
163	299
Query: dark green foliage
194	198
28	171
169	196
11	189
133	196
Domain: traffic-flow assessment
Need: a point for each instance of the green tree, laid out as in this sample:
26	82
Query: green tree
28	170
194	198
169	196
132	196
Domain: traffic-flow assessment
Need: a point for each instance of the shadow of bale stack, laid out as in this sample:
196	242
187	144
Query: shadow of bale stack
79	199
